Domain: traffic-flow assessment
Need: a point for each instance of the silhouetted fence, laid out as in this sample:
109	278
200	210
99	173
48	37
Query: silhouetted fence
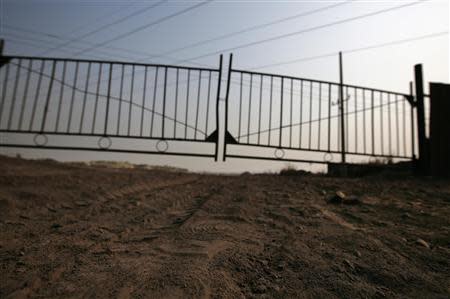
290	114
109	99
106	104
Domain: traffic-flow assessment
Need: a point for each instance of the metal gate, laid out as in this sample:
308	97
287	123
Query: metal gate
277	117
117	106
74	104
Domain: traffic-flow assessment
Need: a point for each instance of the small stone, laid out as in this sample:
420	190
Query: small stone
261	289
358	254
423	243
406	216
56	225
280	266
348	263
338	198
341	194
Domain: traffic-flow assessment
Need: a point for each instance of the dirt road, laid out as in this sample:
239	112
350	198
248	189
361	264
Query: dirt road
90	232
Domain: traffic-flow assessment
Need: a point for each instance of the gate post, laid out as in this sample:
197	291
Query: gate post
225	135
341	107
216	154
439	129
423	163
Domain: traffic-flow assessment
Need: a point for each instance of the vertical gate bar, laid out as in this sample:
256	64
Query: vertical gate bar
373	122
226	107
347	115
13	99
260	107
281	112
404	126
163	126
397	126
341	106
364	120
155	87
310	113
187	103
207	103
219	84
36	97
177	78
413	134
119	112
301	115
198	102
108	100
61	95
130	106
49	94
389	124
413	144
356	119
5	84
85	97
420	114
381	123
329	117
249	107
290	120
270	110
143	101
25	93
75	80
240	108
100	68
320	115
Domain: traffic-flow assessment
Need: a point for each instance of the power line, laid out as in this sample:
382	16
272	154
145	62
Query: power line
255	27
58	37
104	16
146	26
39	43
299	32
375	46
105	26
35	44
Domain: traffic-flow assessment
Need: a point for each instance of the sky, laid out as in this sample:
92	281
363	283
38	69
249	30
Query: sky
380	46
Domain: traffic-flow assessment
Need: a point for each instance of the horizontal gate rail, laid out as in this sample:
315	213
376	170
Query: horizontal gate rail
108	100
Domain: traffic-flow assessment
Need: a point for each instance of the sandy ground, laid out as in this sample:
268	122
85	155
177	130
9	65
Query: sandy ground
93	232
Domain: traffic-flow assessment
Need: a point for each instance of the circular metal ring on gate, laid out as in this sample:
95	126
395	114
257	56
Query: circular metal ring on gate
104	143
162	146
40	139
279	153
328	157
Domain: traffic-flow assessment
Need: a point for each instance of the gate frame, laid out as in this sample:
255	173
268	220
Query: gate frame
229	139
211	138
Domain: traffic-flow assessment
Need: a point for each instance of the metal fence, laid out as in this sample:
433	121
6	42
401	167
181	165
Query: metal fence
302	120
117	106
109	100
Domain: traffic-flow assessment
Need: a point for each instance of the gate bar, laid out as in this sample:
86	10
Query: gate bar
341	100
226	107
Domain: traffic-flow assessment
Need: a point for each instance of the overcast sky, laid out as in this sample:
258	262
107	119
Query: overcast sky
157	32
